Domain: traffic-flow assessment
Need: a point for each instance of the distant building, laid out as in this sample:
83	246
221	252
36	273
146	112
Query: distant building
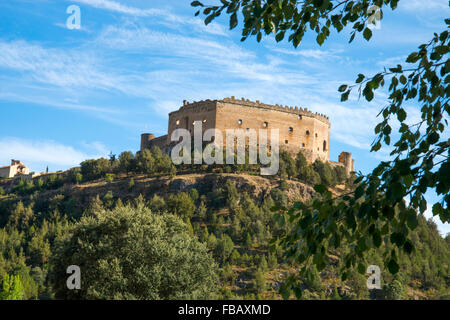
16	168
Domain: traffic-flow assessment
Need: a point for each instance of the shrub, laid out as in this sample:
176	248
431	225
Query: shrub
130	253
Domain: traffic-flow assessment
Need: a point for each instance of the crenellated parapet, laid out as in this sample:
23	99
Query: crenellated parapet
201	105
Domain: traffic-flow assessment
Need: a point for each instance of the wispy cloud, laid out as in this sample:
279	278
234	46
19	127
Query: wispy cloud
121	8
164	16
308	53
56	66
39	153
420	6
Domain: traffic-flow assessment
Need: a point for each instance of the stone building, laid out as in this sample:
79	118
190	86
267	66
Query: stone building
16	168
299	128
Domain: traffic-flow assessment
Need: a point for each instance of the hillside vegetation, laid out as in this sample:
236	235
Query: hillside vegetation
137	225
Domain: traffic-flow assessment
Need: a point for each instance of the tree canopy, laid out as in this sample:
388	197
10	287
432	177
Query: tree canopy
130	253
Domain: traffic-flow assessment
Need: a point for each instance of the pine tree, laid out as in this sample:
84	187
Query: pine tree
12	288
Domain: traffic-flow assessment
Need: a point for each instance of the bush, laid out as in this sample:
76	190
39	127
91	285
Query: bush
279	197
94	169
126	162
181	204
130	253
326	173
109	177
394	291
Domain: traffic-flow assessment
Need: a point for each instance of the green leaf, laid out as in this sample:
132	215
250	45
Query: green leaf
401	115
360	78
359	191
368	93
376	237
210	18
408	247
398	238
196	4
361	268
320	188
367	34
412	221
352	37
233	20
437	209
279	36
342	88
413	57
344	96
320	38
393	266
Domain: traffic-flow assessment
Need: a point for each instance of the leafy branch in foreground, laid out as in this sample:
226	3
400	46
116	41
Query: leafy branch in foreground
383	208
294	18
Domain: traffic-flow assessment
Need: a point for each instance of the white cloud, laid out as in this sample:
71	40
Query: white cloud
59	67
164	17
419	6
118	7
37	154
308	53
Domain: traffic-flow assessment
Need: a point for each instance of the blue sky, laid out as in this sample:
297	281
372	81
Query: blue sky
69	95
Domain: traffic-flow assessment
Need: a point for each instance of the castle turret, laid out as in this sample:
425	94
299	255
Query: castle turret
346	159
145	140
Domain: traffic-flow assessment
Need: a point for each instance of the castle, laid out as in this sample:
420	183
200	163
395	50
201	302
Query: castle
299	128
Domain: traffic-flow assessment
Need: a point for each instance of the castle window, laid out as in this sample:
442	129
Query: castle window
286	141
265	124
239	122
303	145
204	120
291	129
316	135
177	122
324	145
307	132
299	117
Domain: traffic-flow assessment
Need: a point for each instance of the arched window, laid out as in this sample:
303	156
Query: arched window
307	132
291	129
299	117
303	145
265	124
239	122
177	122
324	145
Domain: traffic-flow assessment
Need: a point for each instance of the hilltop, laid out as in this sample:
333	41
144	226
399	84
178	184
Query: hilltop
229	212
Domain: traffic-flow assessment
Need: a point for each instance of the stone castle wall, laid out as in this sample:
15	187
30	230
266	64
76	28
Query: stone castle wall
299	128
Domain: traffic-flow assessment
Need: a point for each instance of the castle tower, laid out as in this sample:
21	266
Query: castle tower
346	159
145	140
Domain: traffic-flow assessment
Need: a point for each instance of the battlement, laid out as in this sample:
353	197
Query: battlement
255	104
